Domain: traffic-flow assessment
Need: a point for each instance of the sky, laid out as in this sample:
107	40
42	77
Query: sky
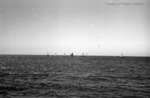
93	27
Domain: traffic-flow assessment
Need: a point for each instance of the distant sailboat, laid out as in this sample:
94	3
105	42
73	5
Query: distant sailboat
47	54
121	54
71	54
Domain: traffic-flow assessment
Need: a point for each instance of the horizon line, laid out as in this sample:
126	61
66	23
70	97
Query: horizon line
74	55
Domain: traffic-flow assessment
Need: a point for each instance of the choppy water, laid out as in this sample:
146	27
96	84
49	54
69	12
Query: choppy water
129	78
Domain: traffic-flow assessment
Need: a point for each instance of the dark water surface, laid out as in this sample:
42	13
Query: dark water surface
74	77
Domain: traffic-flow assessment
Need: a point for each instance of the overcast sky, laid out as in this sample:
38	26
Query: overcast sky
96	27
